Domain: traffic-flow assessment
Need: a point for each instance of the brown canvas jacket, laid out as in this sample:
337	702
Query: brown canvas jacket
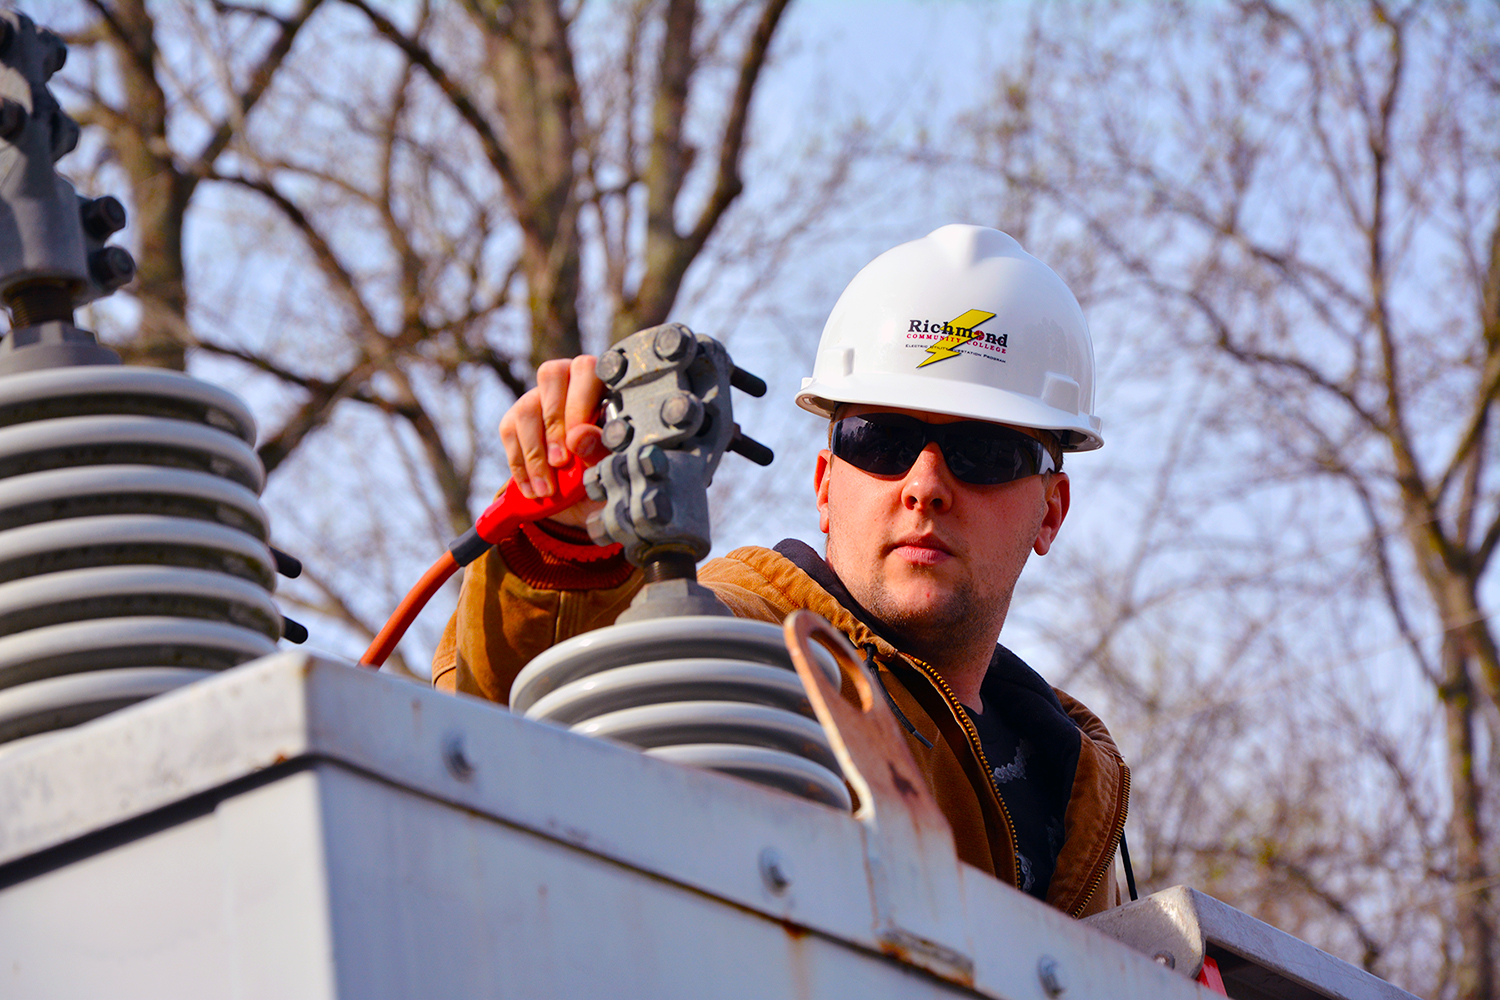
502	622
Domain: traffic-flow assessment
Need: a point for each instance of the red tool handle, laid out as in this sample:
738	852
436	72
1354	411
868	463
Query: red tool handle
498	521
506	514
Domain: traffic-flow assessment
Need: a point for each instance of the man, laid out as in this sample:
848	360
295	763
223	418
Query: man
955	370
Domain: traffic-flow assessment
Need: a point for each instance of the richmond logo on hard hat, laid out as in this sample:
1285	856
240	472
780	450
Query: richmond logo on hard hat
942	340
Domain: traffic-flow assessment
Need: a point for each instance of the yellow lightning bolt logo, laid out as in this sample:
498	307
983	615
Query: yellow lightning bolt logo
963	332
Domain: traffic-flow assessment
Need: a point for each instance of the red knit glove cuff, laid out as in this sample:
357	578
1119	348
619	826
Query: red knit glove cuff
560	557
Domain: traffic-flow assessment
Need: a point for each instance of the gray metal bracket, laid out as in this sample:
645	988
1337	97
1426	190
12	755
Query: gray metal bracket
53	258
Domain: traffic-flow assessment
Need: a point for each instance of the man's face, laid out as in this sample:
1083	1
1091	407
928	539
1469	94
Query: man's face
934	558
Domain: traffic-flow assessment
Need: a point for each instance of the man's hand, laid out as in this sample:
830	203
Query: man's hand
548	424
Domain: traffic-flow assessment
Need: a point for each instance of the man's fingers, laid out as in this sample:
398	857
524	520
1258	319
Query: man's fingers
552	378
585	393
525	440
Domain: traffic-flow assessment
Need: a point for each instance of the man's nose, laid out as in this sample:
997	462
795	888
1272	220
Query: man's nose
929	484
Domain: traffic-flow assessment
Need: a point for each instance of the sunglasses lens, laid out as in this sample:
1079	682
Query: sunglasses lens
879	448
976	453
983	456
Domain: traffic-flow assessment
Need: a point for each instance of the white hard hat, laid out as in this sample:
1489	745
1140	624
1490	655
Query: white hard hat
963	322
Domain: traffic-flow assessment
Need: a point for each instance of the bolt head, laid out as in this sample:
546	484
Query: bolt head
617	434
102	216
111	267
12	119
657	505
611	367
55	53
672	342
680	409
653	461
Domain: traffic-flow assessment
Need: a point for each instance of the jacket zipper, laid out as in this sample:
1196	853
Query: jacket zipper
1097	879
1102	868
956	706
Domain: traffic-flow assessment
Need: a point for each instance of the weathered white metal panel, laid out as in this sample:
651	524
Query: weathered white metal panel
359	836
231	903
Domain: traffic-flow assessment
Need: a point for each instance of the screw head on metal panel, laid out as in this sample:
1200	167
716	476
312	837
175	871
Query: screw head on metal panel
671	342
610	367
102	216
111	266
12	118
1165	958
1051	976
774	871
456	759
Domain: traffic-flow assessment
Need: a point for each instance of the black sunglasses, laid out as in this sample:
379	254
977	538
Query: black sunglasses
977	453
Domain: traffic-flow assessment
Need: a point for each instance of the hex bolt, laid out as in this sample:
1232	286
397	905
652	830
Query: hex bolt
611	366
774	871
594	488
102	216
680	409
1051	976
617	434
12	119
111	267
64	135
671	342
653	462
456	759
598	528
55	55
657	505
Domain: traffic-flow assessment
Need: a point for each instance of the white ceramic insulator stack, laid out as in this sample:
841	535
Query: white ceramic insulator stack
133	546
717	693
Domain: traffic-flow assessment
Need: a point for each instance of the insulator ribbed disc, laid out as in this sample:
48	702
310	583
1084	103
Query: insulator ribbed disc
121	591
764	767
673	680
104	440
127	539
58	494
59	702
711	692
106	643
26	397
133	553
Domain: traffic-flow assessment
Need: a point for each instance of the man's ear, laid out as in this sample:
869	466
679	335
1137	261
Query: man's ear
820	484
1056	498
